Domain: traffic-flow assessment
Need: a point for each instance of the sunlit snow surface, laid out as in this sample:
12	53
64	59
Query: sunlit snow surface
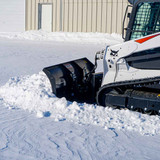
79	37
36	125
33	93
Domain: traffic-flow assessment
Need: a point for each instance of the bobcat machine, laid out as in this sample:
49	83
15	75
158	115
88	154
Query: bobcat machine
131	70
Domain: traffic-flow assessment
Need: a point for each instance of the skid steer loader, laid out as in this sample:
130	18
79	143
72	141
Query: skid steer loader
131	74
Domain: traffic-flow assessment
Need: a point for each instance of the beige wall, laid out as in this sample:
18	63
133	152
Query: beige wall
80	15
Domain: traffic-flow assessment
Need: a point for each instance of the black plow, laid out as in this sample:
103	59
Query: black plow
74	80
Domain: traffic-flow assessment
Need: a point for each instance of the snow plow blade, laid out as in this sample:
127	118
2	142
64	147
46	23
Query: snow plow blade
72	80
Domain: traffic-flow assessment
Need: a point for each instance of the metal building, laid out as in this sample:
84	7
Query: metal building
75	15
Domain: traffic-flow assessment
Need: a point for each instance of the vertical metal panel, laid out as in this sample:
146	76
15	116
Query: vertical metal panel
59	16
36	15
114	16
75	16
99	16
84	18
33	15
28	10
104	15
70	15
66	14
63	11
26	15
109	16
124	8
89	16
80	15
94	16
54	18
119	16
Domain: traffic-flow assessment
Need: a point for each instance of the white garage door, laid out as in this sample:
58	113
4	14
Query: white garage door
46	17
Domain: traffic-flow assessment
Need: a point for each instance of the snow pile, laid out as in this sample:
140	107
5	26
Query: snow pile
33	93
65	37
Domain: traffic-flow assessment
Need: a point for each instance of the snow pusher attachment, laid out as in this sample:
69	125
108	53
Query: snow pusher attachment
73	80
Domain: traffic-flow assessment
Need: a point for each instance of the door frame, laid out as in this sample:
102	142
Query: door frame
40	15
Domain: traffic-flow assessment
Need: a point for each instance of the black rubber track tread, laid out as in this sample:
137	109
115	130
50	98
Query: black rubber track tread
128	85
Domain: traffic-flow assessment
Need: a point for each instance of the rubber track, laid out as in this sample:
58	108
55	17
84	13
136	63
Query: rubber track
131	84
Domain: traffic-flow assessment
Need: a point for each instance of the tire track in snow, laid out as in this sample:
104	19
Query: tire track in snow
18	138
51	140
93	143
32	138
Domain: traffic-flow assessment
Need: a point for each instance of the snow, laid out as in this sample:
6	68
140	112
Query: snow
35	124
45	104
79	37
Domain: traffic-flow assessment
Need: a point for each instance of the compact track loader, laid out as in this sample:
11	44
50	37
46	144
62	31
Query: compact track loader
131	74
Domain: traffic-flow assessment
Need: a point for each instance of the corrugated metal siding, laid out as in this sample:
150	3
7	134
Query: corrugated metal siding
80	15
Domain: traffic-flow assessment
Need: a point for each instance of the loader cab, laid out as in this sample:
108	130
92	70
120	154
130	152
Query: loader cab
144	19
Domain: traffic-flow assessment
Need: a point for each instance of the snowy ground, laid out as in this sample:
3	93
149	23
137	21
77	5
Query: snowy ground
36	125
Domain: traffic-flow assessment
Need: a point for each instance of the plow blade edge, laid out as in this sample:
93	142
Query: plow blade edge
71	80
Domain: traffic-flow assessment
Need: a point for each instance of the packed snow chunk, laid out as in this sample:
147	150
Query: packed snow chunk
33	93
30	93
